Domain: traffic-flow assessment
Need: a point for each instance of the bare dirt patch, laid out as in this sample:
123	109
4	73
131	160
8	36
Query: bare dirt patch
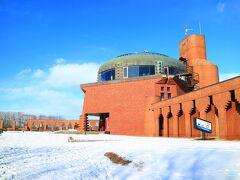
117	159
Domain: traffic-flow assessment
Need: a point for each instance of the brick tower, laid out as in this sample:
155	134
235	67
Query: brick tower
193	51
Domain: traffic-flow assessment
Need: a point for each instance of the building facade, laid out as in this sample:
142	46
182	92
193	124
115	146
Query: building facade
151	94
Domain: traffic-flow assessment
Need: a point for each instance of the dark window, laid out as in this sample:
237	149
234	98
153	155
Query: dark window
162	88
173	71
166	70
108	75
162	96
133	71
136	71
169	95
168	88
146	70
125	74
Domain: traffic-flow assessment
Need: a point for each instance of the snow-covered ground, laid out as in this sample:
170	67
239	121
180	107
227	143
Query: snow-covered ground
44	155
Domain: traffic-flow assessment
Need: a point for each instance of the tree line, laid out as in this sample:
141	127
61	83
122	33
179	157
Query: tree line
20	118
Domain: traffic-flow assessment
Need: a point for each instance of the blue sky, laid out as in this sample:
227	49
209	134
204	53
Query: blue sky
47	48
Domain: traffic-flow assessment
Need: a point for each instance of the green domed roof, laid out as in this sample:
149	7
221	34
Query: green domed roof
145	58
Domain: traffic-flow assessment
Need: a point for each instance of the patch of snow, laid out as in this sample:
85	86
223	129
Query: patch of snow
45	155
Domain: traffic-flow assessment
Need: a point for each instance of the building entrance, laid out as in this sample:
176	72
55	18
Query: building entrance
104	122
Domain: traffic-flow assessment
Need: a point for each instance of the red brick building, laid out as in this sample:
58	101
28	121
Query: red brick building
152	94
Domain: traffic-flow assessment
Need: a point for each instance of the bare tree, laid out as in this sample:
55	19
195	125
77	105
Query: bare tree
20	118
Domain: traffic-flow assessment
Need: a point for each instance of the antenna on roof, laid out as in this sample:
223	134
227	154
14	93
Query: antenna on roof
187	29
200	27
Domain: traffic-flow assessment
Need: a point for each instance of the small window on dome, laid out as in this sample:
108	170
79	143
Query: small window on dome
125	72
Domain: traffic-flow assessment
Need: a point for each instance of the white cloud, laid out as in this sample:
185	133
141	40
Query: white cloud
24	73
221	7
38	73
60	61
226	76
53	91
62	75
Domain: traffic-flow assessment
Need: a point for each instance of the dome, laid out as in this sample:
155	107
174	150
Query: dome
115	67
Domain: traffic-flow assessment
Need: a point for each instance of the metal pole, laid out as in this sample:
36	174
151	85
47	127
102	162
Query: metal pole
203	135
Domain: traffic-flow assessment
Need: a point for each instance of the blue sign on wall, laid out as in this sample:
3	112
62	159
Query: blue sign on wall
203	125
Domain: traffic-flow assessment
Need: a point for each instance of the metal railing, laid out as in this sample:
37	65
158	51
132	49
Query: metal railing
190	77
